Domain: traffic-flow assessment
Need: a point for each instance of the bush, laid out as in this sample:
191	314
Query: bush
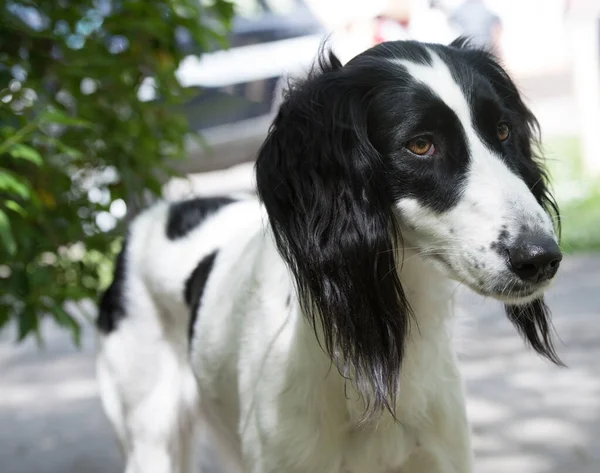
577	193
76	141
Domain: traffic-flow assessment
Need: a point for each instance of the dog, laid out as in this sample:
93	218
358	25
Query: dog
310	329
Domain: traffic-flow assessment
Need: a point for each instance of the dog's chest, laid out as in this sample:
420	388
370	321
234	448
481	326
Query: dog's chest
378	450
385	446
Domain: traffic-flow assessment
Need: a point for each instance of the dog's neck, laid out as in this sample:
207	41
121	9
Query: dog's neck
429	292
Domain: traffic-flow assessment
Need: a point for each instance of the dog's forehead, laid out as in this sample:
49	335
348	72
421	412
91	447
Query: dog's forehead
436	75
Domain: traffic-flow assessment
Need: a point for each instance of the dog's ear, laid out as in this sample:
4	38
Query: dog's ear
324	188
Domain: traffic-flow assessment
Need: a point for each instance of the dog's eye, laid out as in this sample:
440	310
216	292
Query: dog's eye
421	146
503	131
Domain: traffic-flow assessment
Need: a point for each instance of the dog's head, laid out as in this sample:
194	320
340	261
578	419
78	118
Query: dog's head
427	145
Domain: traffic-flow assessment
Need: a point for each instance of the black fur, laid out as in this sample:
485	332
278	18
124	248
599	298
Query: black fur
194	288
188	214
333	166
112	306
533	322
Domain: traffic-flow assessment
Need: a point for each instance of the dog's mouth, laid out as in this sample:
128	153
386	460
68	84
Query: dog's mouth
512	290
502	285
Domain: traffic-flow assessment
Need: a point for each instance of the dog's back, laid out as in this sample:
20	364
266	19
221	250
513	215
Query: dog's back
168	252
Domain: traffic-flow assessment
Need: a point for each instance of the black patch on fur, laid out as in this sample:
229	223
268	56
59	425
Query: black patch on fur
111	308
186	215
194	288
500	246
533	323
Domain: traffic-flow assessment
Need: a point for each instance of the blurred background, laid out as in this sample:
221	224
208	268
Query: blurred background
106	105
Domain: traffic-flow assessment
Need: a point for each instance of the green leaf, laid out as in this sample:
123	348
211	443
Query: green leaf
28	322
225	9
53	142
4	317
21	151
64	319
11	183
53	115
12	205
68	150
6	234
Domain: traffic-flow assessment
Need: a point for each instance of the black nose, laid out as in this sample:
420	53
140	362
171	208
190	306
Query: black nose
534	258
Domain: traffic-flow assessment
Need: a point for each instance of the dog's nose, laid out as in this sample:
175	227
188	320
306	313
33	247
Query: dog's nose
535	258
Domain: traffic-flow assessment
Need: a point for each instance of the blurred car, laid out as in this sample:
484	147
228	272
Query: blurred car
237	88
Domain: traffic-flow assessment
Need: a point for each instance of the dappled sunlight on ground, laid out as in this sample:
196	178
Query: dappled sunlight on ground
528	415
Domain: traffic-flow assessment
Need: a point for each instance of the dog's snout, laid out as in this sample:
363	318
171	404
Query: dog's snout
534	258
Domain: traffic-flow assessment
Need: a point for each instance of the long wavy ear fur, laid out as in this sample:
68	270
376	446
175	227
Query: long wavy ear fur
322	183
532	320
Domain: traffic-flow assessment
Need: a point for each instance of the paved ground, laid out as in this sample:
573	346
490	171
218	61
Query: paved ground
528	416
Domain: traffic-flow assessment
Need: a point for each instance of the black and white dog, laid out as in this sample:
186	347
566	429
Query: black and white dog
311	329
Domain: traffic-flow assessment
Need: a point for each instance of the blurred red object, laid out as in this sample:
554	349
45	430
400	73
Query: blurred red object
392	23
389	29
